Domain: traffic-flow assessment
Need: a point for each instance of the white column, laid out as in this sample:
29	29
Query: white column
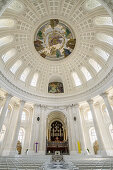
110	111
3	113
86	127
71	130
42	133
97	129
80	133
10	131
22	103
35	129
108	142
1	101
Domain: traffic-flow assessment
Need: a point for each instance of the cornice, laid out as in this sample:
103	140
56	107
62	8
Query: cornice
59	100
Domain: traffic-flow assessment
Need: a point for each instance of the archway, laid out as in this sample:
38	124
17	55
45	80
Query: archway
57	136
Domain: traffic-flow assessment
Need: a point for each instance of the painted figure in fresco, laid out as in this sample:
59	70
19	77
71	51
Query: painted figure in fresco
55	87
19	147
66	52
96	147
55	39
40	35
38	45
54	23
67	33
43	55
58	53
71	43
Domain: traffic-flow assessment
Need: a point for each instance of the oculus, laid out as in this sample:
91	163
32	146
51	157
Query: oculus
54	40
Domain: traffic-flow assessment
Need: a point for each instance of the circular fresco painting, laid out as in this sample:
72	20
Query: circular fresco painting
54	40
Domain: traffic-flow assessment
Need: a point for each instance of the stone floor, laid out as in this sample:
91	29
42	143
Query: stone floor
46	162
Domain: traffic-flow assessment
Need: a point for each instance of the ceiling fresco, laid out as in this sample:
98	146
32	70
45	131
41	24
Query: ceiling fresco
54	40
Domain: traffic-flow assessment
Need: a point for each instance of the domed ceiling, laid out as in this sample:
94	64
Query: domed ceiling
61	41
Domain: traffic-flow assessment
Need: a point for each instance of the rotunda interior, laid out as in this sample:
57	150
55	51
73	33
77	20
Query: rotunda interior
56	78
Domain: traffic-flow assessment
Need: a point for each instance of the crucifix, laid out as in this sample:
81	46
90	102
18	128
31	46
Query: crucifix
36	146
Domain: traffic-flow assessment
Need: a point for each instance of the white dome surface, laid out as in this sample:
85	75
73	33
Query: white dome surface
84	73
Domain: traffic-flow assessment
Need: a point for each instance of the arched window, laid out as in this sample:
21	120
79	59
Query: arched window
6	40
2	133
34	80
111	130
88	116
86	73
24	74
21	135
6	23
95	65
105	38
16	66
91	4
92	134
102	53
8	55
76	79
23	116
103	21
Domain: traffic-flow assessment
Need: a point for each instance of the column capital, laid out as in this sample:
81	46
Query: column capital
76	106
104	95
90	102
16	105
97	103
22	102
1	98
8	95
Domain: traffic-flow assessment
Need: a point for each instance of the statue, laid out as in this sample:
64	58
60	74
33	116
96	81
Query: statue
96	147
19	147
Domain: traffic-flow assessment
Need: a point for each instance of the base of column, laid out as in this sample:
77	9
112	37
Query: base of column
109	152
76	153
102	153
5	152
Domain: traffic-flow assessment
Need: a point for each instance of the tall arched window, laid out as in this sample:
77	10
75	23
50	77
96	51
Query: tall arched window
92	134
88	115
24	74
86	73
95	65
111	130
105	38
103	54
2	133
16	66
21	135
76	79
6	40
8	55
34	80
23	116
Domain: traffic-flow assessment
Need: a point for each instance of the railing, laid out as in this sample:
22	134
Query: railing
57	144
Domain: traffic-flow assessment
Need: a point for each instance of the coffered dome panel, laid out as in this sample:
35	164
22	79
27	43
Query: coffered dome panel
81	65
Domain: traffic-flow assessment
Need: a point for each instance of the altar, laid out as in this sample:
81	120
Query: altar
53	146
